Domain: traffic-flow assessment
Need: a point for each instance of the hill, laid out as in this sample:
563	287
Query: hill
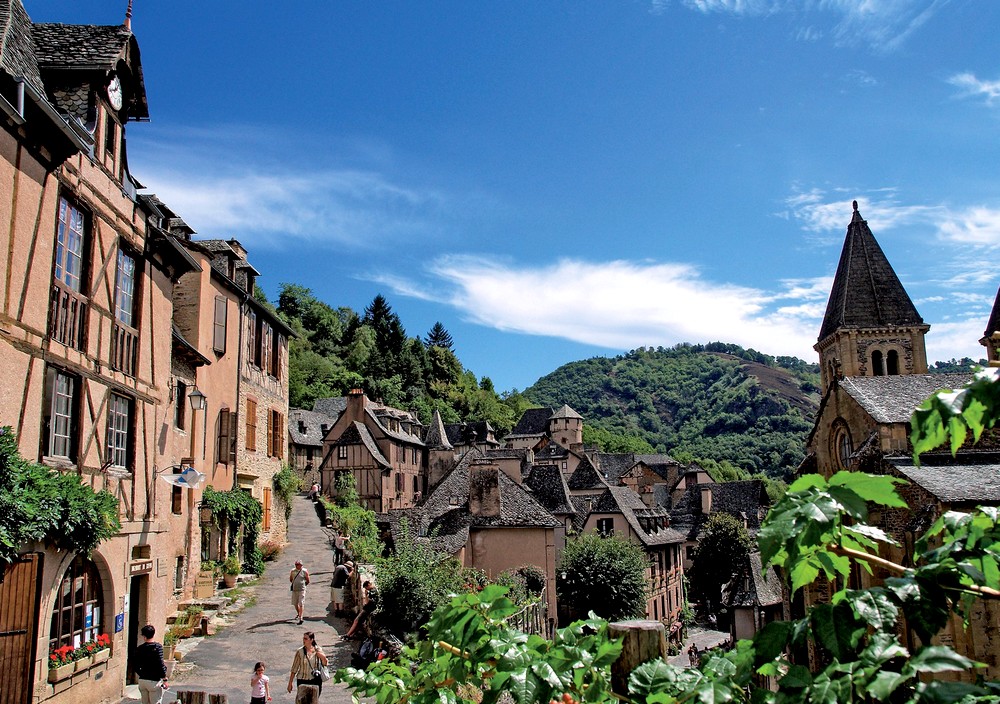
716	401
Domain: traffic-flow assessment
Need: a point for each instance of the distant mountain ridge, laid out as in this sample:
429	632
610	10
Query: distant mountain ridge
717	401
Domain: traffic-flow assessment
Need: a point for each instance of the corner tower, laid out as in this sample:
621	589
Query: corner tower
871	327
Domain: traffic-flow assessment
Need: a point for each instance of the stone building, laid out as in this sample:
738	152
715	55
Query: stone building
86	348
872	349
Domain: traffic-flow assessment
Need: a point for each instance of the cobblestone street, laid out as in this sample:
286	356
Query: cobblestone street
266	631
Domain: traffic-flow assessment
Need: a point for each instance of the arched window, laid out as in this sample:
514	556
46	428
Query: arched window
878	368
76	614
842	446
893	362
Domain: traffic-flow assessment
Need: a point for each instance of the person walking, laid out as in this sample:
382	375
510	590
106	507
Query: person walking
150	668
341	575
260	687
306	664
340	548
299	580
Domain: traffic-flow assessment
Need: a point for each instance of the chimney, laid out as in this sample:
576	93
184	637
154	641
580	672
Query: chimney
356	402
706	499
484	489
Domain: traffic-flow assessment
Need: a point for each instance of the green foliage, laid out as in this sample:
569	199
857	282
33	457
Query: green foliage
604	575
231	565
286	484
715	402
38	503
722	549
240	512
949	416
413	581
359	523
615	442
346	488
819	528
439	337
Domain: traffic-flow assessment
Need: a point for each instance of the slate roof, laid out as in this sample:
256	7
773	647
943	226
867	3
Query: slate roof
993	324
585	476
892	399
968	478
866	292
534	421
332	407
622	500
549	487
80	45
437	435
374	411
17	46
565	412
471	433
313	422
614	464
743	500
662	464
753	589
358	432
552	451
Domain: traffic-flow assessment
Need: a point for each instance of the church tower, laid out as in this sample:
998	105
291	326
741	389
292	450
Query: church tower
871	327
991	338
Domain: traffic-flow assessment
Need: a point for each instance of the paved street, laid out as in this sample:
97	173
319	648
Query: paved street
266	631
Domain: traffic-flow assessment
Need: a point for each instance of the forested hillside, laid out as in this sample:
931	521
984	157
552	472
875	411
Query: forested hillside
716	401
338	349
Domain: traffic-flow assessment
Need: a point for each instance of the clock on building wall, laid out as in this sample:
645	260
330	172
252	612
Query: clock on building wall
115	93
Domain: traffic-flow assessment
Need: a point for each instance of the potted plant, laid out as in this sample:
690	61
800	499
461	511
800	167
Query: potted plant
103	650
61	664
83	656
231	570
170	639
193	613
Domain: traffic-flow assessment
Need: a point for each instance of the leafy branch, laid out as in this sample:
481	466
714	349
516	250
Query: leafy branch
951	415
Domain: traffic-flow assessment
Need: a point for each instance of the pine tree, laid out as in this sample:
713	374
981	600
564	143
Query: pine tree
439	337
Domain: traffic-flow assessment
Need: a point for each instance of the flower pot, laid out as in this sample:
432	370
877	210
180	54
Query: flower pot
101	656
168	652
84	663
61	672
230	580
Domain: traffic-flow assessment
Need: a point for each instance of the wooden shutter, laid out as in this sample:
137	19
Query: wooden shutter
267	508
222	449
279	436
251	439
219	339
233	433
270	433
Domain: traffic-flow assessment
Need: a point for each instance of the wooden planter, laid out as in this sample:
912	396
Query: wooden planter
61	672
84	663
102	656
168	652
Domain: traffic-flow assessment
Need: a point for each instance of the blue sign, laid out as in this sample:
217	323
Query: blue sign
88	621
119	623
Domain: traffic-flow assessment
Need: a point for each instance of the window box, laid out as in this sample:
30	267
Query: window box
101	656
61	672
84	663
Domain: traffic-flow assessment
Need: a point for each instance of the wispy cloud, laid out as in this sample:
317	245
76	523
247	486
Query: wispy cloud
883	25
972	87
820	213
621	304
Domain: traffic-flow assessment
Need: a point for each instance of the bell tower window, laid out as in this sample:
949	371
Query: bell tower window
892	362
878	364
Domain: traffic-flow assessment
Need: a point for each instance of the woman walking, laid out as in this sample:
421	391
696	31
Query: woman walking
305	667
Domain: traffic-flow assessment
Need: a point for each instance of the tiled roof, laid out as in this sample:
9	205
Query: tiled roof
968	478
534	421
549	487
614	464
332	407
469	433
552	451
374	413
664	465
437	435
312	433
866	292
565	412
358	432
892	399
753	589
17	46
620	499
520	453
744	500
585	476
80	45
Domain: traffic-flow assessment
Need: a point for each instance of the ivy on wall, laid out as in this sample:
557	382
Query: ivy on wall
40	503
238	510
286	484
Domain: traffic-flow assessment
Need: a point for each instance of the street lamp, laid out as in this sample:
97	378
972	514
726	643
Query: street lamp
198	400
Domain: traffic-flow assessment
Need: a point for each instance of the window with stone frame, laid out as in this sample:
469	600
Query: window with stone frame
78	606
841	445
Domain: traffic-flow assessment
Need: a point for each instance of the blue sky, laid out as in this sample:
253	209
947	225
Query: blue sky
555	180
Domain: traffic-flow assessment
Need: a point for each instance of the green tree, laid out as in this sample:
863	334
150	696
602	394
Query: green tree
439	337
603	575
722	549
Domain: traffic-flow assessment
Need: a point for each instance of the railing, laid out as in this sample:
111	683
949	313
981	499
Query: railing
532	618
124	348
67	316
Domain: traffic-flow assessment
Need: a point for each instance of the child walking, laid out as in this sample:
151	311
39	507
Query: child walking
260	690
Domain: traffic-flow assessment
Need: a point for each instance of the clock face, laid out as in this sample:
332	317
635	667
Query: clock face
115	93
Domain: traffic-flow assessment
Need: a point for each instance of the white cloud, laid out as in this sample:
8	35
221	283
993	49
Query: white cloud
972	87
816	213
620	304
978	226
954	340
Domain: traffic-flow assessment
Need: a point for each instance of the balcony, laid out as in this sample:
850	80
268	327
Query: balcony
67	316
124	348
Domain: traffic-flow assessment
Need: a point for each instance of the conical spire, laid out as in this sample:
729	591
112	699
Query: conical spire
866	291
437	438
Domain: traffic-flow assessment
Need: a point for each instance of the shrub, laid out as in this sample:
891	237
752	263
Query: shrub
286	484
603	575
231	565
533	576
270	549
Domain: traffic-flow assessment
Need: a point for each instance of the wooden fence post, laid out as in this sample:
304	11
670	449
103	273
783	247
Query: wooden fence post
642	641
201	698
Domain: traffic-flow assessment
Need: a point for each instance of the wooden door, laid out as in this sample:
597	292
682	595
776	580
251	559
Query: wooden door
19	597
